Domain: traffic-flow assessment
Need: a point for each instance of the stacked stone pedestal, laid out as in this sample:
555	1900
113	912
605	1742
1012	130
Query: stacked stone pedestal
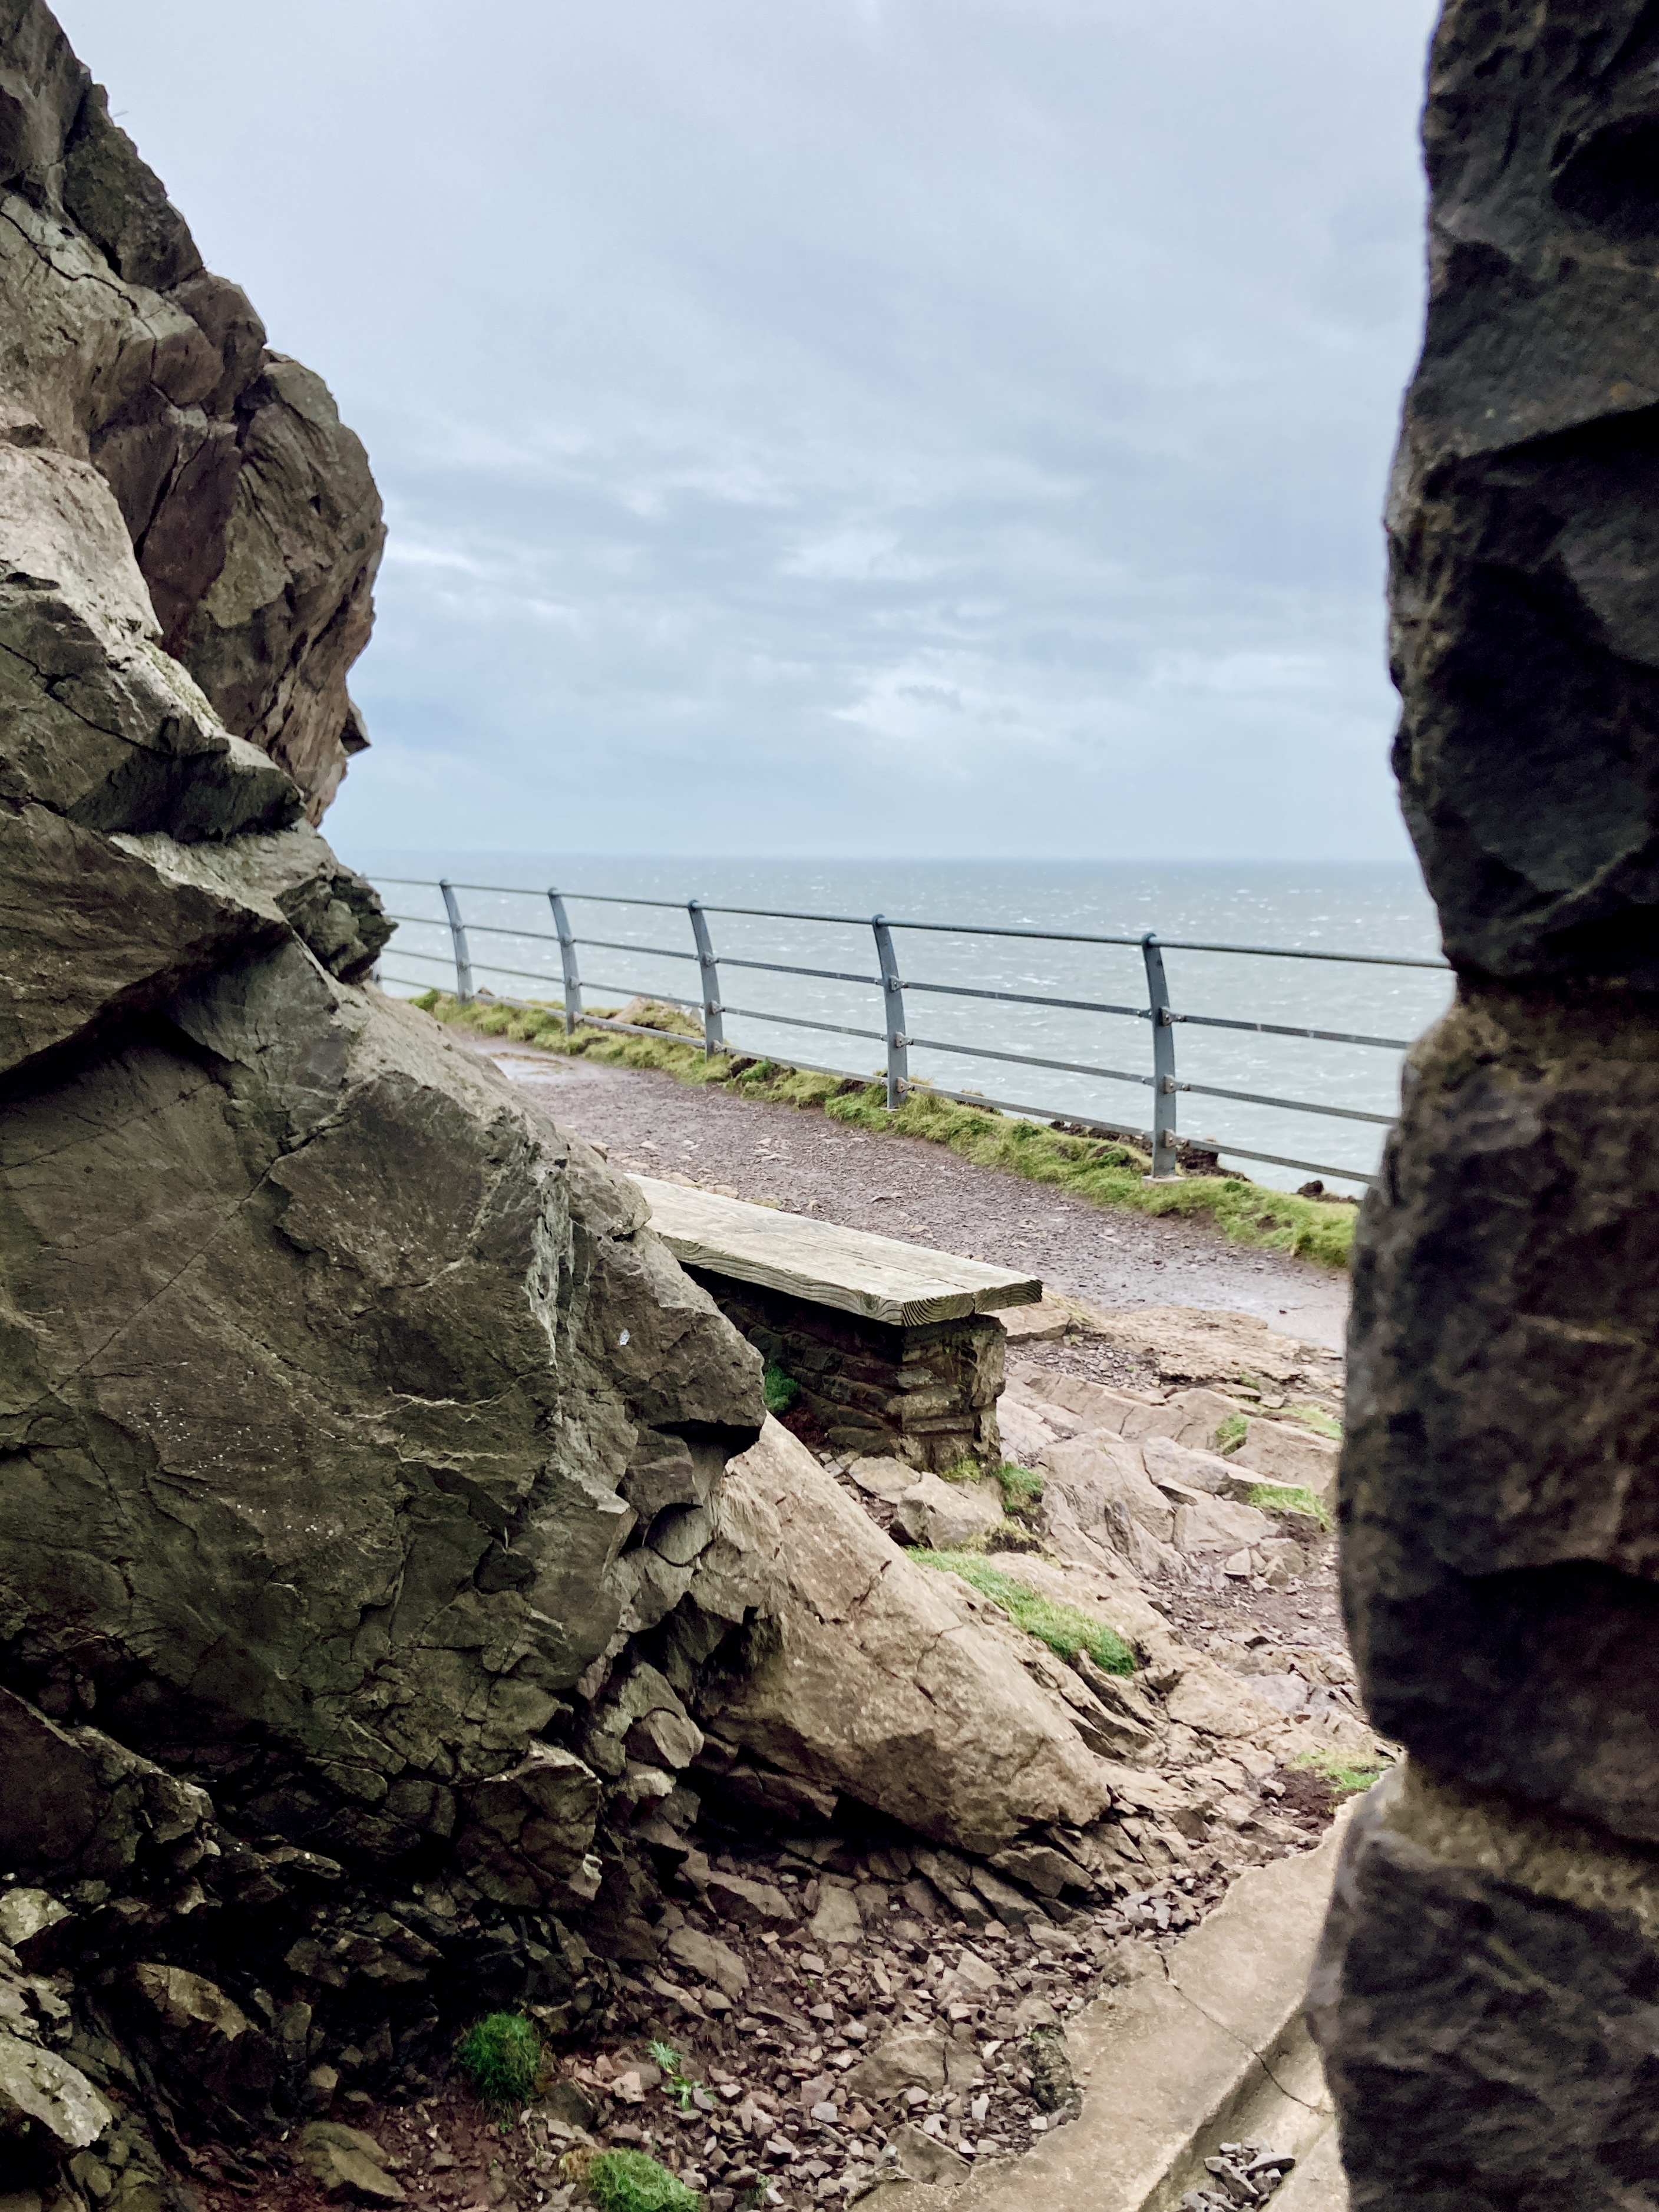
926	1394
1485	1998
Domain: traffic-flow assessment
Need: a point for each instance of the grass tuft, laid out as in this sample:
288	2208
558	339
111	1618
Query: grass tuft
633	2181
1276	1498
1106	1173
1063	1628
1347	1778
965	1470
678	2086
1022	1489
780	1390
501	2056
1316	1418
1230	1433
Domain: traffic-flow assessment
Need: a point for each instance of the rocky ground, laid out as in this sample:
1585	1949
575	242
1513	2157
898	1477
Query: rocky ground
922	2039
830	2006
920	1193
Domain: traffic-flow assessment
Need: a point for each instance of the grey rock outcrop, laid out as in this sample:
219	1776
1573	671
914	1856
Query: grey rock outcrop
322	1367
250	508
874	1679
1500	1483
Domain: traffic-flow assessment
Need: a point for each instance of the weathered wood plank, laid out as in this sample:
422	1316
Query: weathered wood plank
878	1276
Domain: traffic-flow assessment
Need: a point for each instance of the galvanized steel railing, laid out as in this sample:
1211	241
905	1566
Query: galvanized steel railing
896	1036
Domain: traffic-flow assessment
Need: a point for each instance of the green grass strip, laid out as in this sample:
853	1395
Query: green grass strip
1063	1628
1316	1418
1347	1778
1105	1173
1021	1487
1279	1498
1231	1432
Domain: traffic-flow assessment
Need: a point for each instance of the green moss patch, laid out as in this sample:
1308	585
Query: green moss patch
780	1390
1230	1433
1316	1418
1106	1173
1022	1489
1063	1628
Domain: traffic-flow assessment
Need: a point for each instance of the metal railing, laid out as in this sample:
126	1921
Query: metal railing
710	1006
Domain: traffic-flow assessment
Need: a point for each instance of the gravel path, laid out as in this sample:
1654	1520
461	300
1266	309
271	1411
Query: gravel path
905	1188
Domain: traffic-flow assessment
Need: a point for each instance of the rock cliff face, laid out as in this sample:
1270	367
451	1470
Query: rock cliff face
322	1371
253	519
387	1527
1501	1479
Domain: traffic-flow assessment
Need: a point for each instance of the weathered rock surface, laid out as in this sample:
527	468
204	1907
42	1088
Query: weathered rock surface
1500	1485
1521	522
1498	1491
322	1370
945	1515
1196	1345
1449	1905
350	2163
1138	1476
250	508
876	1679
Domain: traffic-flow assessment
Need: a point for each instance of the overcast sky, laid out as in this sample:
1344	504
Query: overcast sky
831	427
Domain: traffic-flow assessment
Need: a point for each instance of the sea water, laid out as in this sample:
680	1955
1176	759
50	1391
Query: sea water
1355	908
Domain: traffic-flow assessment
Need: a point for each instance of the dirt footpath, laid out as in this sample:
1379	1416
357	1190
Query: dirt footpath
904	1187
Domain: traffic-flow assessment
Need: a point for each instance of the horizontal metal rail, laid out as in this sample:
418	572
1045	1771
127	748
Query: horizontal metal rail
953	928
614	944
1279	1029
1029	999
799	1022
1029	1060
1290	1105
788	968
1162	1017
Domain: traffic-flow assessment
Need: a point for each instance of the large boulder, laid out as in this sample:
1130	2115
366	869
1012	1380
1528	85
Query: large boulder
870	1677
76	1803
251	509
324	1363
340	1393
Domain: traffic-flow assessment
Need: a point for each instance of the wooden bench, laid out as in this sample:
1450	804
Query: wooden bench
895	1347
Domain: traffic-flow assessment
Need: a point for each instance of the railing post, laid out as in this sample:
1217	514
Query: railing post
462	957
892	991
713	1035
573	981
1163	1063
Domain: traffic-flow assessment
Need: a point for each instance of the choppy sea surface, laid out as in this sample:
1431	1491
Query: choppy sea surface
1379	909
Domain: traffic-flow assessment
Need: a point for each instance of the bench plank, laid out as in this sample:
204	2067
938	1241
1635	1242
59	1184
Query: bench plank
878	1276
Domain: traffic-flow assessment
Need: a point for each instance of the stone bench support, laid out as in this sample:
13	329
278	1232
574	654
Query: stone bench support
895	1347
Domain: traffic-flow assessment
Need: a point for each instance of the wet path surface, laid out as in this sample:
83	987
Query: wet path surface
905	1188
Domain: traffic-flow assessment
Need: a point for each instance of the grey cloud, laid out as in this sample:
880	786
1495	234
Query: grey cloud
930	425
